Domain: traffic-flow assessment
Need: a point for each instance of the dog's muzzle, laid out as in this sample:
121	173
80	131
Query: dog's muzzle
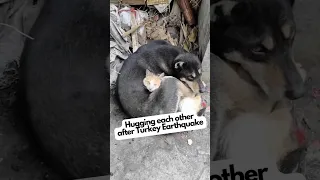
295	83
202	87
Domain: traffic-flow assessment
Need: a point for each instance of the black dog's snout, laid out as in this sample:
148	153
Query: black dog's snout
202	87
296	93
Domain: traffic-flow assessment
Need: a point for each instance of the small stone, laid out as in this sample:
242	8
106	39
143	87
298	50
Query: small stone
189	142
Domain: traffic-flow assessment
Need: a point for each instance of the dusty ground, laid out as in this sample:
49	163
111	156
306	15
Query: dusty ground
19	162
159	157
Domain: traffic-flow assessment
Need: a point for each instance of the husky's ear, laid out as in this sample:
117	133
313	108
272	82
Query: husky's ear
179	65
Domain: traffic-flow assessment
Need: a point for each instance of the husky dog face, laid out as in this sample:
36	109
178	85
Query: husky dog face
258	35
188	69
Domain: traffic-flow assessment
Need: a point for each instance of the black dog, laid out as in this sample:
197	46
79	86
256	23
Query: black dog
64	86
157	56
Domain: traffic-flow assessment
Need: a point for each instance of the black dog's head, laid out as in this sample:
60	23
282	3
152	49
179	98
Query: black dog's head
258	35
187	68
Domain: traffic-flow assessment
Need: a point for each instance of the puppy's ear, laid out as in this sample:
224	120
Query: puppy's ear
148	73
179	65
161	75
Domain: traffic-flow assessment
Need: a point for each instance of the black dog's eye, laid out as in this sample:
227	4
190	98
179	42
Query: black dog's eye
259	50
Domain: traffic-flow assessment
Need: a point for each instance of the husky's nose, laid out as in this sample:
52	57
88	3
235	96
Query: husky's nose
296	93
202	86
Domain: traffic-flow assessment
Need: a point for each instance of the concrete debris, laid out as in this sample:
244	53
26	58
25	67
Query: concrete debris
131	27
163	7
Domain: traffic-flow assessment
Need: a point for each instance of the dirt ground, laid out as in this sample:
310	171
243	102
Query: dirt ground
18	161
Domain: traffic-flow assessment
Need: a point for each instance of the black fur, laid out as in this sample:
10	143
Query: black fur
158	57
64	86
246	24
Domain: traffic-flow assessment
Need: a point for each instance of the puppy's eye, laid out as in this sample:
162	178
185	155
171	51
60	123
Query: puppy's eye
259	50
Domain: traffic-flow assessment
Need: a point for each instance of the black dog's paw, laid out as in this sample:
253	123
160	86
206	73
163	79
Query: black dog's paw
201	112
291	162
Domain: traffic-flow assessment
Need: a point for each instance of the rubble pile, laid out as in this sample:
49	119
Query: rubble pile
133	23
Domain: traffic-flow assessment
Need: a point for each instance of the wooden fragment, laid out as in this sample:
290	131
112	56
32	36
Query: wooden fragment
186	9
132	30
155	2
133	2
135	44
114	1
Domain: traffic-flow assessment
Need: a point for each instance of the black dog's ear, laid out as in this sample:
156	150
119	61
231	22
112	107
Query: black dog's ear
179	64
241	11
230	11
221	8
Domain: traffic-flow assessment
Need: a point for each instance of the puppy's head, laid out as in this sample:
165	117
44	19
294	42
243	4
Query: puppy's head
258	35
187	68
